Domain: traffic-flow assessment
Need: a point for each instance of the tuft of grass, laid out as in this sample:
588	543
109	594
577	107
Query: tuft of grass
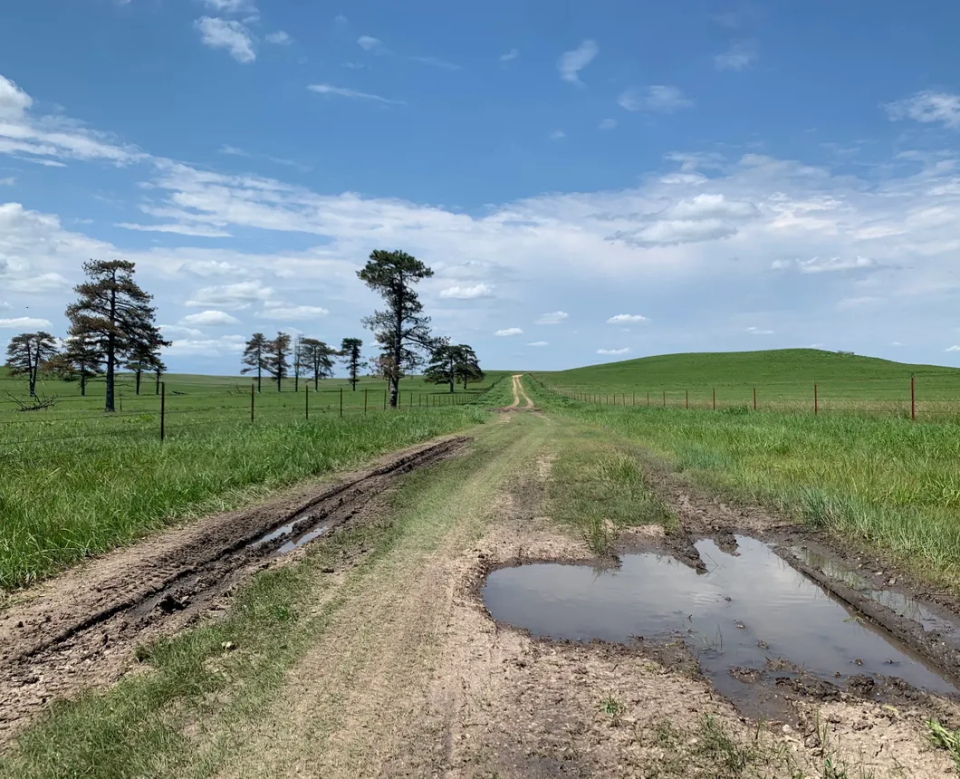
945	739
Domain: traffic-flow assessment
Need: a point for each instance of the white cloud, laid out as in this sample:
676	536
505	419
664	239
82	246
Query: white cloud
557	135
209	318
230	296
539	343
290	313
280	38
327	89
32	138
954	348
435	62
759	331
928	107
510	55
509	331
607	124
706	206
196	231
621	319
664	99
232	6
553	318
227	34
572	62
177	331
737	57
369	43
625	350
858	302
9	181
41	284
675	233
207	268
467	293
896	343
206	347
24	323
35	161
826	264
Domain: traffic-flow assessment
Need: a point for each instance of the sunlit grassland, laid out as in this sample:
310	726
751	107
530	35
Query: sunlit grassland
887	481
783	379
84	484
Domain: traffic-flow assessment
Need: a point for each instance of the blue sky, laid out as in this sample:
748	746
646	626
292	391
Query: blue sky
590	181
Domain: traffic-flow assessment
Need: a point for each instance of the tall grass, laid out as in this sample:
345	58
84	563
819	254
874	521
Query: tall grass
890	482
62	501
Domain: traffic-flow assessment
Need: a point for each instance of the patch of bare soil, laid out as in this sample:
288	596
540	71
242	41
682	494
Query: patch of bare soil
80	629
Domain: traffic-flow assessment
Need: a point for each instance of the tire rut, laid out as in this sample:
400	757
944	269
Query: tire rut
80	629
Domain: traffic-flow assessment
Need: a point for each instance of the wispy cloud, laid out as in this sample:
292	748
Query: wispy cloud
572	62
509	331
826	264
621	319
557	135
759	331
24	323
435	62
280	38
209	318
510	55
198	231
539	343
371	44
928	107
607	124
231	6
664	99
625	350
227	34
553	318
352	94
737	57
9	181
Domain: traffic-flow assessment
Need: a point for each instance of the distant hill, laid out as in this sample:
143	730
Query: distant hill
778	374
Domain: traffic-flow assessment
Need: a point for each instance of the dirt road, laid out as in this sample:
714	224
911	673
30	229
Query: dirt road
518	392
370	653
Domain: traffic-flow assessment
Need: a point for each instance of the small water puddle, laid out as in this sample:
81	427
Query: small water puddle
287	529
749	611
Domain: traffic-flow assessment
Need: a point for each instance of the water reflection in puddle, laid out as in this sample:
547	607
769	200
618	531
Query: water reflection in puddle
745	611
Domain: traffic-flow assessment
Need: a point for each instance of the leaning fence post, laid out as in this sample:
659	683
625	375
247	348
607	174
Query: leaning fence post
163	408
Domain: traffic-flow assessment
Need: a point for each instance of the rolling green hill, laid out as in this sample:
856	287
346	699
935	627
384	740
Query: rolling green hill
780	376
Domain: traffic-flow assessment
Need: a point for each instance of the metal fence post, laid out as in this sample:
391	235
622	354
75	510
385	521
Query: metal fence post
252	397
163	409
341	401
913	399
686	402
307	403
365	390
816	400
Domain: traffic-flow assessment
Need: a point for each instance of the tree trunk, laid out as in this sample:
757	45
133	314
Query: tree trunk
296	381
83	385
394	390
32	370
111	347
316	381
158	383
138	380
259	374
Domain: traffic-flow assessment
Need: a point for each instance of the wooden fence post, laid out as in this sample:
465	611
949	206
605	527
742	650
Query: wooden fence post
341	401
816	400
714	398
253	396
365	391
754	398
306	400
163	409
913	399
686	401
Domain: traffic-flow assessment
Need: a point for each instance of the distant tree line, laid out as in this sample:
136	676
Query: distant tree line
112	328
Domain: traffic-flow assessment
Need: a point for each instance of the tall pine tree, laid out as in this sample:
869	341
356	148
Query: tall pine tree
255	357
80	360
317	358
402	331
114	315
276	358
451	363
350	354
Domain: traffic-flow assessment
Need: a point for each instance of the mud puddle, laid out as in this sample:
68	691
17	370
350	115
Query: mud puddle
750	618
301	530
928	617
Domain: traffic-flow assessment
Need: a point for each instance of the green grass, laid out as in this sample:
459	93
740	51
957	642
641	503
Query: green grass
783	378
84	485
886	481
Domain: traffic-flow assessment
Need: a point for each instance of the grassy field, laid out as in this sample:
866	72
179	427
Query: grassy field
75	481
889	482
783	379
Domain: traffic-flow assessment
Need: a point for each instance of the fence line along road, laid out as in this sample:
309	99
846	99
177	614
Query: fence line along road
819	400
160	415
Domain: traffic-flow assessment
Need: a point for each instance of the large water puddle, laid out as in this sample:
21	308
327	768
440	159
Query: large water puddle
749	611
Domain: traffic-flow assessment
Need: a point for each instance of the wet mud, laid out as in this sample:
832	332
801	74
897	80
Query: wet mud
81	629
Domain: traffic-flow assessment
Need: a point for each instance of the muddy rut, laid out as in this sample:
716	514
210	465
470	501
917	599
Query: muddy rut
80	629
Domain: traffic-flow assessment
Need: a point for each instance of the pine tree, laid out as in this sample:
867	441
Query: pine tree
144	359
159	368
255	357
28	354
81	360
114	314
402	331
317	358
350	352
451	363
276	358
